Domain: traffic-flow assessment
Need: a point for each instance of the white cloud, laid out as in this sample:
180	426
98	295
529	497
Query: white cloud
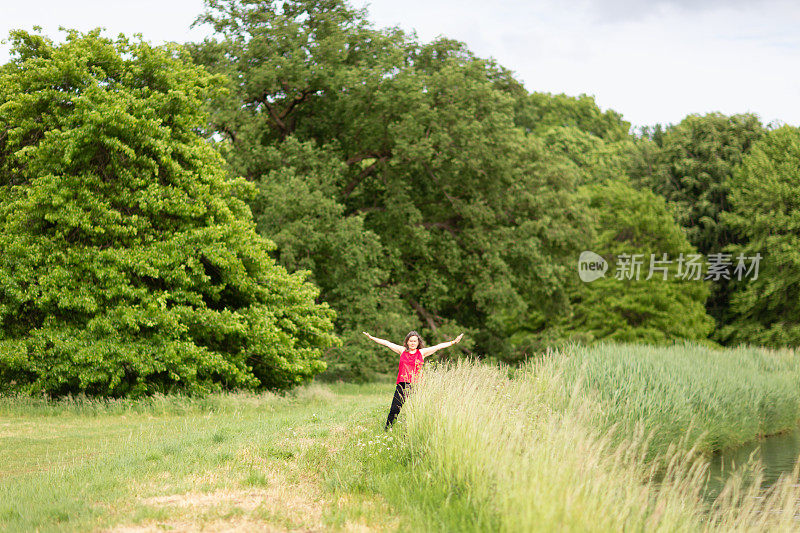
651	61
658	65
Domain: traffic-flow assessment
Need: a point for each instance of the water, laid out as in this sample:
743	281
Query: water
778	454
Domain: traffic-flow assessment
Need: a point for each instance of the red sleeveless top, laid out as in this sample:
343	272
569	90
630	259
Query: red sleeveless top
410	366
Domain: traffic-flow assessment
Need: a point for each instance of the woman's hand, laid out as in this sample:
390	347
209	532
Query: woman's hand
458	339
368	335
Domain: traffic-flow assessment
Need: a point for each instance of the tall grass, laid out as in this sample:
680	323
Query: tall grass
716	399
475	450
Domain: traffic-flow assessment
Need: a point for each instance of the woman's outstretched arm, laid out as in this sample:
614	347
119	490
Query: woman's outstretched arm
392	346
432	349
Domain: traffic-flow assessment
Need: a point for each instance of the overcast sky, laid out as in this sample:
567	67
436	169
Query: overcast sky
652	61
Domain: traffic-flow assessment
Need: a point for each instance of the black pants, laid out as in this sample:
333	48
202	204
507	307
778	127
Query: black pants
401	392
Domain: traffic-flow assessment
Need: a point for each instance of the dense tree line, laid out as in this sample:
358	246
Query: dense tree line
235	212
456	199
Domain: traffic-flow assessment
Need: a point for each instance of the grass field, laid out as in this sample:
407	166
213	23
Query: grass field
603	439
239	461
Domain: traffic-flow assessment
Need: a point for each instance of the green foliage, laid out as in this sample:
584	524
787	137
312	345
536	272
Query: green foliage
693	168
654	311
595	149
405	158
765	203
312	233
657	311
691	165
595	160
539	112
130	264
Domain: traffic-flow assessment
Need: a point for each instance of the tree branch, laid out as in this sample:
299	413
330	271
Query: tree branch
442	225
302	97
274	115
379	158
425	315
229	132
452	199
279	118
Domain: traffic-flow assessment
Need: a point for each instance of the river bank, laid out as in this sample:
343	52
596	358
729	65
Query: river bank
604	439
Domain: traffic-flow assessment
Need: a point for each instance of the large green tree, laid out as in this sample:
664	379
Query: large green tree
765	203
467	219
691	165
624	305
297	208
296	73
130	261
624	220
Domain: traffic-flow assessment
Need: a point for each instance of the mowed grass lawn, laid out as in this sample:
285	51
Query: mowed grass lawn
228	461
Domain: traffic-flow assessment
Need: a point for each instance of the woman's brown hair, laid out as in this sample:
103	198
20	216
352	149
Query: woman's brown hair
420	343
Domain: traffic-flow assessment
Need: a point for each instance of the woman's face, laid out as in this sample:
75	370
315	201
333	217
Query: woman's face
413	342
